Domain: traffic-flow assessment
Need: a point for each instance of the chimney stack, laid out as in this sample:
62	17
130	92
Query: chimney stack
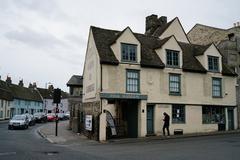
153	22
50	87
21	83
9	80
30	85
34	85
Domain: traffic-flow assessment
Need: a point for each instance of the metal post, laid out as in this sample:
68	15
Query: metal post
56	131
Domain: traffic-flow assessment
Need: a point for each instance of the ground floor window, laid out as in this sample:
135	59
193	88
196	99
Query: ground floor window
178	113
213	114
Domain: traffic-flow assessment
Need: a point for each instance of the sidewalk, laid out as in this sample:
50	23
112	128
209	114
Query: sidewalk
154	138
66	136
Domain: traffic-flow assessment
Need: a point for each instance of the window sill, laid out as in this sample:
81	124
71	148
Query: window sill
217	97
175	67
178	122
175	94
130	62
214	71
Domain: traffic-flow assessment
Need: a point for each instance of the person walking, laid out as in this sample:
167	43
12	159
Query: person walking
166	123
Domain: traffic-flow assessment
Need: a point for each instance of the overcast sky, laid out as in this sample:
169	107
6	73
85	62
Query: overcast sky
45	40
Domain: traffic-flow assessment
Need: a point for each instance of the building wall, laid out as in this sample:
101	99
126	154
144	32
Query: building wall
5	109
50	106
155	84
91	72
204	35
25	105
176	30
126	37
211	51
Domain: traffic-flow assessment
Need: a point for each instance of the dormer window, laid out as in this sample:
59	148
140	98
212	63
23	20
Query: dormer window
213	63
172	58
129	52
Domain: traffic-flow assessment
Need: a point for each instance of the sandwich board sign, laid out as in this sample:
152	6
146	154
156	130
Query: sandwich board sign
88	122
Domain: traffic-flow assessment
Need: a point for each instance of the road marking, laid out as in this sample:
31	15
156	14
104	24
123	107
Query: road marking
7	153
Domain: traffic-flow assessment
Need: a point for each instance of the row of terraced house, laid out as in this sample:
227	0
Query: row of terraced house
130	79
17	99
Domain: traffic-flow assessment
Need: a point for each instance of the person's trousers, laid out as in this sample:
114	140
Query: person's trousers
167	127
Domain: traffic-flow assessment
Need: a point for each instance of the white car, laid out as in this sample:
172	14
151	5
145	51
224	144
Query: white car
18	121
67	115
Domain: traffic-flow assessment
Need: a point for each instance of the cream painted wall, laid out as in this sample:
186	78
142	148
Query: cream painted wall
91	73
193	122
211	51
5	109
171	44
126	37
176	30
196	88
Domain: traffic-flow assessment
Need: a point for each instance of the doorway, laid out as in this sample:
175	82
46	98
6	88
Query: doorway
150	119
130	117
230	119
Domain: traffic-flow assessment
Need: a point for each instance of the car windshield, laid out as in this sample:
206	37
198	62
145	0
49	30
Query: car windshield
37	114
18	117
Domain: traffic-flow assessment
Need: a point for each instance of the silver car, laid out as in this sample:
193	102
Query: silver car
18	121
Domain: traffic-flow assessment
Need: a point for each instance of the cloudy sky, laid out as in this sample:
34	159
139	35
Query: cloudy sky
45	40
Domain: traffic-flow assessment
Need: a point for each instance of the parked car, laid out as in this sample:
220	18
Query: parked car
61	116
51	117
67	115
18	121
40	117
31	119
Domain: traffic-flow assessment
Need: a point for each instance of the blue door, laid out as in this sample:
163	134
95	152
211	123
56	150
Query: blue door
150	129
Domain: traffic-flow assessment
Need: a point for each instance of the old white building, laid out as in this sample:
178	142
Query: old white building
133	78
6	100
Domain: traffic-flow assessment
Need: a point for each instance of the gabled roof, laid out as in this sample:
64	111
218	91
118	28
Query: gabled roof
149	58
5	92
159	31
24	93
75	80
190	63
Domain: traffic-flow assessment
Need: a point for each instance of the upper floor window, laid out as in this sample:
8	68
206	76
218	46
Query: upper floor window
172	58
133	82
129	52
174	84
213	64
217	87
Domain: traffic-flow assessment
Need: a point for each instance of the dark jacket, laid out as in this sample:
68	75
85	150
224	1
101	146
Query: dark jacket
166	120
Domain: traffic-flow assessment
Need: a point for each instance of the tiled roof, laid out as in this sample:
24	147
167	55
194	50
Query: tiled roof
24	93
48	93
75	80
149	58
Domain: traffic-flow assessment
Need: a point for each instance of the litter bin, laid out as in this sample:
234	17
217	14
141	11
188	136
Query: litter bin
221	127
